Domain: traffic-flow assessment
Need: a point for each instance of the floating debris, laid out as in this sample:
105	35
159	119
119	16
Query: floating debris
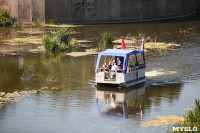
189	109
164	120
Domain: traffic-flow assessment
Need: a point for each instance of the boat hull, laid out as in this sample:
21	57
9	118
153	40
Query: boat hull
124	85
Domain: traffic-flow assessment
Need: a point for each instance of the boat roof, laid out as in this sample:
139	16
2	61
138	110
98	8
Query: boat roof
120	52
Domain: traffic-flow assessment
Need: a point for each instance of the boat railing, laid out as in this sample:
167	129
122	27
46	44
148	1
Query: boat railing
130	69
134	68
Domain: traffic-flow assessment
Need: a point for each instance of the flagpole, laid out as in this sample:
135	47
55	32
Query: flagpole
142	48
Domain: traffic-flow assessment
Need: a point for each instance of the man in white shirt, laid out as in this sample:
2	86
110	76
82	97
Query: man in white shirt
115	67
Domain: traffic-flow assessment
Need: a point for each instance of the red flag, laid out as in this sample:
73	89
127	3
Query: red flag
123	44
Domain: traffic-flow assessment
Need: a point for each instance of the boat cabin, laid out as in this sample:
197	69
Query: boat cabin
121	67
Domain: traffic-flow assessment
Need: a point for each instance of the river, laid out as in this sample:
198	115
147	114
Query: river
72	103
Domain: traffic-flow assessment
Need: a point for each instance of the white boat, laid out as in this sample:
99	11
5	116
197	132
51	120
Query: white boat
132	71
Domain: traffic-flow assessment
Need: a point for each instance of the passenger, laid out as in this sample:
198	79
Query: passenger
110	65
121	66
136	65
129	68
114	70
106	70
105	66
115	67
114	61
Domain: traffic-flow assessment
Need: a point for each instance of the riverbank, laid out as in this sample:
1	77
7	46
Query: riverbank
18	95
28	39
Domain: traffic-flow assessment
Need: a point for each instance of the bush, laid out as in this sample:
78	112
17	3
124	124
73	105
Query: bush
73	43
107	38
105	42
192	119
5	19
58	40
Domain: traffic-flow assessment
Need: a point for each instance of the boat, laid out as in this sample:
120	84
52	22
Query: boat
130	71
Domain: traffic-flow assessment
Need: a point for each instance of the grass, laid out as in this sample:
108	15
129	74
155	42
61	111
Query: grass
182	31
105	42
17	25
52	22
106	38
154	38
59	40
37	22
73	42
141	34
192	119
20	41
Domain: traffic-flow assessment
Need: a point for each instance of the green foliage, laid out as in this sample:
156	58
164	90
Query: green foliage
50	43
17	25
58	40
154	38
63	35
101	47
52	21
105	42
5	31
141	34
37	22
192	119
73	43
5	19
107	38
20	41
182	31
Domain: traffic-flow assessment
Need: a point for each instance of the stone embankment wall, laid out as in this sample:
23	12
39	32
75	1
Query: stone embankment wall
26	10
101	11
2	2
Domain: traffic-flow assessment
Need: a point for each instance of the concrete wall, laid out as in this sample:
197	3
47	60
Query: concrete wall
12	7
100	11
38	10
27	10
2	2
116	11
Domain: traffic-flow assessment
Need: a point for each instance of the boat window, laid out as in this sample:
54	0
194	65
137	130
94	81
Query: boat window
109	60
105	59
135	62
140	61
131	60
131	63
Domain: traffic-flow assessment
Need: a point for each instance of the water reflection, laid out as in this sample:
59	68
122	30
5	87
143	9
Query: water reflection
120	102
134	103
